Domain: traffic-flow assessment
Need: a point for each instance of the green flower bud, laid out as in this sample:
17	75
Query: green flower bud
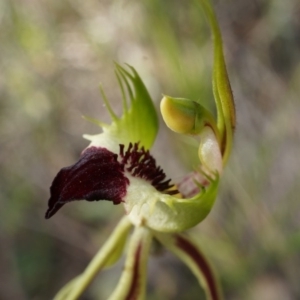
185	116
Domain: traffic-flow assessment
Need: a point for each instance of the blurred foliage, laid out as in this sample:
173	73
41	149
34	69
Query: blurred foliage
53	54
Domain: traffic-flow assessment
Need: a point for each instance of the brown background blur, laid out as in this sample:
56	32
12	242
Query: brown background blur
54	54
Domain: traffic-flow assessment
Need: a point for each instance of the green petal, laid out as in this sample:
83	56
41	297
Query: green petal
190	253
132	284
107	255
139	122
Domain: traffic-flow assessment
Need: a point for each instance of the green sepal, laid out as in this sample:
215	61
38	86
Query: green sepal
107	256
221	85
132	284
190	253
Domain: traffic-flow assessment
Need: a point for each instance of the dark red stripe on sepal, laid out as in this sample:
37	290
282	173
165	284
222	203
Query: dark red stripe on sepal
188	248
134	287
96	176
132	284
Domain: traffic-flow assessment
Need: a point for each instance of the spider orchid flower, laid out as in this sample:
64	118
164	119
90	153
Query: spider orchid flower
117	166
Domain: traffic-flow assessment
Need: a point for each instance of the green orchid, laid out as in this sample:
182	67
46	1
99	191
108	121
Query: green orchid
117	166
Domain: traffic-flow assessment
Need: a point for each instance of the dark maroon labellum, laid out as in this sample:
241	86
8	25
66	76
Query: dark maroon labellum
96	176
140	163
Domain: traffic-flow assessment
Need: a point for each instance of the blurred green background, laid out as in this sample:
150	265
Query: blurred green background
54	54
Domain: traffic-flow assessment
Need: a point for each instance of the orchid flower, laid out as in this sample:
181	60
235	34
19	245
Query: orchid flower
117	166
